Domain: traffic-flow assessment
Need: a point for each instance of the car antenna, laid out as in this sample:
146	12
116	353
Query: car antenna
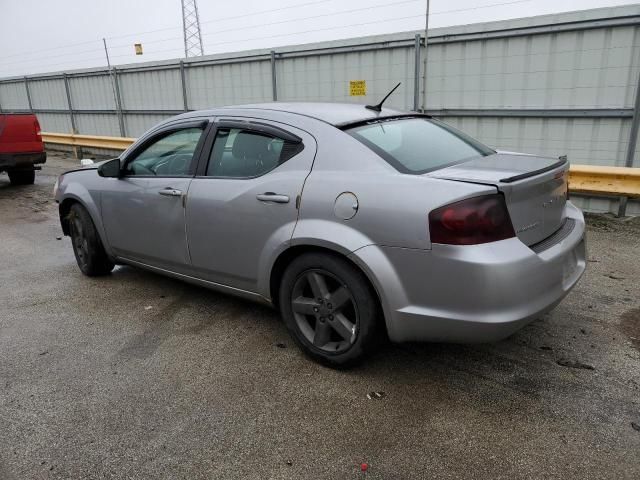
378	107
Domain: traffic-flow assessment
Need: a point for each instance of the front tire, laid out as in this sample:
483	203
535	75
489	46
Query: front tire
87	246
22	177
330	309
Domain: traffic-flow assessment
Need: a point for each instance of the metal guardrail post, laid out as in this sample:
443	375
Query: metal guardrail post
416	74
74	128
426	56
26	87
274	79
118	103
631	146
72	117
183	84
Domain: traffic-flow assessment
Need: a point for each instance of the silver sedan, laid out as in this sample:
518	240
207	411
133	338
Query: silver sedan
356	224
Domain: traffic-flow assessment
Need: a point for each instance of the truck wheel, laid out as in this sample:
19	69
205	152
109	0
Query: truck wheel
87	246
330	309
22	177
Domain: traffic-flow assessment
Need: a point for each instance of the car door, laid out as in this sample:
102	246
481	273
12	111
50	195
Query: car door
143	210
244	201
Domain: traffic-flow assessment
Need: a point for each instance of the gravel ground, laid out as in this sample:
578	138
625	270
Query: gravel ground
139	376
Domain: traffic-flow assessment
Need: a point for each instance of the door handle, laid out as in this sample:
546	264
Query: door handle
170	192
272	197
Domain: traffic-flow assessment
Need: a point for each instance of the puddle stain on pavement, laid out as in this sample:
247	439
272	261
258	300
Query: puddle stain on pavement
630	326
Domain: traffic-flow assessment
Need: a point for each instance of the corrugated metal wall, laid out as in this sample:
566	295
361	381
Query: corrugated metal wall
91	92
325	78
552	85
228	83
13	95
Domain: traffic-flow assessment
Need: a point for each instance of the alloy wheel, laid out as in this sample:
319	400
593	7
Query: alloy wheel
325	311
79	239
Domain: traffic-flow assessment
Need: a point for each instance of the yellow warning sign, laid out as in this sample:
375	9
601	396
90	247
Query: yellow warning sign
138	47
357	88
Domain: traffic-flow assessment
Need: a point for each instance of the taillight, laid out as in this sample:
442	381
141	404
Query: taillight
36	126
472	221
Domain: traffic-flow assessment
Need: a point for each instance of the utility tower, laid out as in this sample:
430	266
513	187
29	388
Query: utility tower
191	29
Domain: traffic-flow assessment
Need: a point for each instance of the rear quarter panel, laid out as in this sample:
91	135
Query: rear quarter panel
393	207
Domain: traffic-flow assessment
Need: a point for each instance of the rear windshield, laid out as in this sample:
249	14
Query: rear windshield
418	145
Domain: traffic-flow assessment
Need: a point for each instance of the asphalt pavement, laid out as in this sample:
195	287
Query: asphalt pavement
139	376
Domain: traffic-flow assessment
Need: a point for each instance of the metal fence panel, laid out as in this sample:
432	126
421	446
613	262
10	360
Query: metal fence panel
228	84
48	94
583	69
326	77
92	92
55	122
137	124
13	95
592	141
152	90
98	124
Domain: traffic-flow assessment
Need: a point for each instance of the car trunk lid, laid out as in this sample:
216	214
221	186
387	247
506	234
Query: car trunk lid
535	189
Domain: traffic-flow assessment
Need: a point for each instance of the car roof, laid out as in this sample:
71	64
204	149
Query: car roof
337	114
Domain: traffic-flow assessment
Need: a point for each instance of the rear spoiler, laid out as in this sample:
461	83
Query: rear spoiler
373	120
562	160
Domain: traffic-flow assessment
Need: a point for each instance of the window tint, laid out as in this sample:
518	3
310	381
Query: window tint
418	145
239	153
169	156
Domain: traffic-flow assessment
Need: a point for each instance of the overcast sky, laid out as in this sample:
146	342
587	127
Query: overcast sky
42	36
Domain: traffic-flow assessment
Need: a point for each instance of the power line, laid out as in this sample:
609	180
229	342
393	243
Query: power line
67	54
178	51
217	32
227	30
479	7
168	28
222	19
32	60
280	22
331	14
51	48
316	30
271	10
367	23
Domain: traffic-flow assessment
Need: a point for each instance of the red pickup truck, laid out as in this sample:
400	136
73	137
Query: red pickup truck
21	147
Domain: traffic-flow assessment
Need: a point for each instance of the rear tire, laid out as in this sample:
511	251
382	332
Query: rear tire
87	246
22	177
330	309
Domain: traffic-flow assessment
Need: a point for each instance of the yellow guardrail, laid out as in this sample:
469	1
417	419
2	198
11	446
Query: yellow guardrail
616	181
95	141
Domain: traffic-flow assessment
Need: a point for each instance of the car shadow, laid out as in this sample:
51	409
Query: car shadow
516	365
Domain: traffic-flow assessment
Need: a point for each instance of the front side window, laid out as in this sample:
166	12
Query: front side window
171	155
240	153
418	145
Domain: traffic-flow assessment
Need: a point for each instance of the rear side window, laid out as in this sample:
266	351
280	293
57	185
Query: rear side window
418	145
240	153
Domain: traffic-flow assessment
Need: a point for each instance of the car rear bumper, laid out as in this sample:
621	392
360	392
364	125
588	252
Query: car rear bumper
21	161
478	293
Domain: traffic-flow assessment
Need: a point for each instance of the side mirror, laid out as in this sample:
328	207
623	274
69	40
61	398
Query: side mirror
110	169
